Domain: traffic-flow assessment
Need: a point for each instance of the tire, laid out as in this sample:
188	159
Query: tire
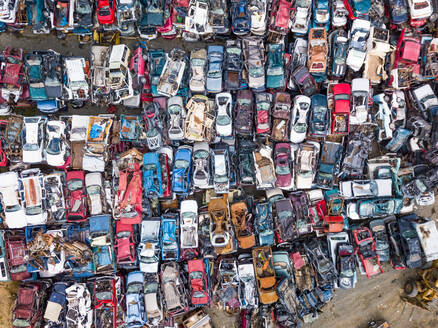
411	289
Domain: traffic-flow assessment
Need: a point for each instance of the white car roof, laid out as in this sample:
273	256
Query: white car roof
75	69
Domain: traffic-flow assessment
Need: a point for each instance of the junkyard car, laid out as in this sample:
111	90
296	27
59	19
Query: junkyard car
199	292
265	274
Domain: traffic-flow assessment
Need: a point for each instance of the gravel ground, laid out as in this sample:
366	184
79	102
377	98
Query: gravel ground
376	298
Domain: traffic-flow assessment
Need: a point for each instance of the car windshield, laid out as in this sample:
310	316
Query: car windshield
282	170
200	154
134	288
104	11
34	210
21	323
223	120
103	296
181	164
342	96
196	275
198	62
30	147
123	234
300	127
93	190
54	146
214	74
74	184
256	71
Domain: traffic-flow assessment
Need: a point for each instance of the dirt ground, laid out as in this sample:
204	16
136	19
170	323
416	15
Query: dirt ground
376	298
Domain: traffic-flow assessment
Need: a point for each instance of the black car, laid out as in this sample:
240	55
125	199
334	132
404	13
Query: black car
410	242
395	250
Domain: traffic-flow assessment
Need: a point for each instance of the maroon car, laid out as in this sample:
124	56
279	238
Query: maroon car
27	311
76	197
282	160
244	113
16	251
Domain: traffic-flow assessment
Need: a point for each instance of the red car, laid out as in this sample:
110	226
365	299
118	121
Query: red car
129	195
341	111
106	12
76	197
408	50
16	251
179	12
28	310
280	17
366	250
125	245
198	283
140	74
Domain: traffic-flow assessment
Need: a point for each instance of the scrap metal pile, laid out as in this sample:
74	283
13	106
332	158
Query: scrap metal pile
263	172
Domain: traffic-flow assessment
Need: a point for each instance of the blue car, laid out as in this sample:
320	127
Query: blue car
339	47
398	11
321	14
101	238
131	127
152	179
77	233
264	224
275	74
319	116
240	18
215	55
157	60
169	238
135	307
182	170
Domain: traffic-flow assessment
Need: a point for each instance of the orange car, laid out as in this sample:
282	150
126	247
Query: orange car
239	215
265	274
221	231
318	49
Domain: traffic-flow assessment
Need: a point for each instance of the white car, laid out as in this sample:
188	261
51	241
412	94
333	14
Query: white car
56	143
201	165
149	249
117	74
152	294
306	162
257	10
8	11
301	17
198	62
366	188
360	93
94	187
33	196
224	120
245	268
33	139
11	201
221	170
425	98
197	19
357	52
177	113
189	224
172	73
299	125
76	84
428	235
420	9
340	14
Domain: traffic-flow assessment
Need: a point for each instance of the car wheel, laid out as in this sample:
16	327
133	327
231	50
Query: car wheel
77	104
411	289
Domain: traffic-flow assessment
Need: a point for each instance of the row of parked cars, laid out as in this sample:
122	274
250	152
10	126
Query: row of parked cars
201	19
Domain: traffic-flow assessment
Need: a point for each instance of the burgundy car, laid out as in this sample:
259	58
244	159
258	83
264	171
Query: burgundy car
16	251
282	159
76	197
27	311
